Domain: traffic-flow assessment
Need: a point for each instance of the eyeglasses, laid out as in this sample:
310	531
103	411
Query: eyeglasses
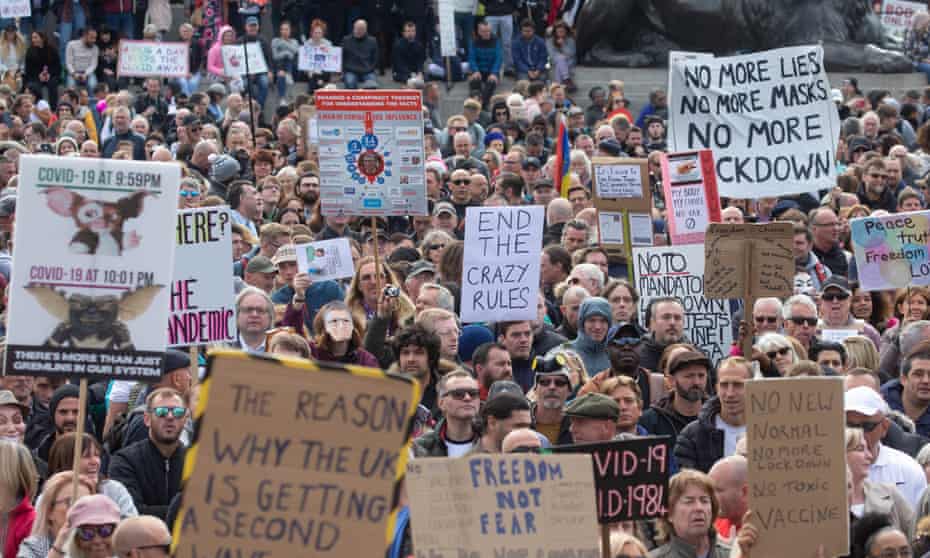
833	224
195	129
88	532
803	321
460	393
833	297
337	321
766	319
176	412
903	552
526	449
625	341
557	382
865	426
252	309
188	193
783	351
436	246
461	181
877	175
166	548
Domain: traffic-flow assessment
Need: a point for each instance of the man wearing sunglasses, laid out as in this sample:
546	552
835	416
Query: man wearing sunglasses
143	536
553	386
622	346
151	469
835	310
800	318
866	409
455	434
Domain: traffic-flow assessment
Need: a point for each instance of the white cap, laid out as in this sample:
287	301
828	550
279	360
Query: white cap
866	401
836	95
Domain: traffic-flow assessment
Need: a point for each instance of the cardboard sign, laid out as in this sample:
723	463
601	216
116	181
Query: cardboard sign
892	251
92	269
503	505
202	293
15	8
621	184
294	459
500	271
371	152
234	60
679	271
319	58
767	116
689	183
748	260
152	58
898	16
630	477
797	466
326	259
446	12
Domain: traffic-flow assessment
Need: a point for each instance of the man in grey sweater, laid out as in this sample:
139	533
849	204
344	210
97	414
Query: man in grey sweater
81	60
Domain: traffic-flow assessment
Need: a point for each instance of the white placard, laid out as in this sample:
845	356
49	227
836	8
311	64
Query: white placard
837	335
619	181
326	259
898	16
500	273
234	60
446	28
152	58
641	229
15	8
319	58
610	226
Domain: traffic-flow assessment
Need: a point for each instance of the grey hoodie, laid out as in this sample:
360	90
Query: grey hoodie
592	352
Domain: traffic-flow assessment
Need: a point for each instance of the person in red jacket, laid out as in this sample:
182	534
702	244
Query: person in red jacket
18	484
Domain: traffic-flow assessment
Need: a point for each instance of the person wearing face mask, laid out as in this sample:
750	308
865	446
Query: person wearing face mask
337	337
61	458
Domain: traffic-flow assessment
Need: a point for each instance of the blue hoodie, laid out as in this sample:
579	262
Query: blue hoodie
593	353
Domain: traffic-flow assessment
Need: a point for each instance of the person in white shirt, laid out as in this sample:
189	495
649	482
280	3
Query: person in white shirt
866	409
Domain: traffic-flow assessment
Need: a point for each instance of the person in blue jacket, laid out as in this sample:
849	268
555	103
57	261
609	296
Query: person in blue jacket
530	55
484	60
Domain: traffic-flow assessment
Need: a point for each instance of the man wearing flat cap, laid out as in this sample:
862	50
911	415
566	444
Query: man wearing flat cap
594	418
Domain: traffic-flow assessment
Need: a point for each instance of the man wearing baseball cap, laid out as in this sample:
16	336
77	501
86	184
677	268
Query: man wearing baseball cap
687	372
594	418
622	344
866	409
553	387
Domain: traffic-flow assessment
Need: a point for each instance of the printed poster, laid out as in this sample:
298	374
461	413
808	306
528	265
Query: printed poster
93	266
326	259
152	58
319	58
689	182
898	16
371	152
234	60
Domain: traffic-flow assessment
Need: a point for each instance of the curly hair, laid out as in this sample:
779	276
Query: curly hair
418	336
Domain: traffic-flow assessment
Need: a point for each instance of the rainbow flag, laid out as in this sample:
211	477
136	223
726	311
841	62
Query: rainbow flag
563	159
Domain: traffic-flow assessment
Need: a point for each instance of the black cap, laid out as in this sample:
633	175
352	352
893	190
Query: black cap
191	120
611	147
836	282
857	143
176	360
531	162
543	183
623	332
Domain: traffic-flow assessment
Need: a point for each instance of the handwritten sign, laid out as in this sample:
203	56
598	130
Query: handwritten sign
503	505
630	477
689	182
898	16
152	58
202	294
319	59
93	263
446	11
234	60
892	251
767	116
797	466
618	181
738	256
326	259
293	459
15	8
500	273
679	271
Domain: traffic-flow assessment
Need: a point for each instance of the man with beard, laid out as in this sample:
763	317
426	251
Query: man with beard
63	410
624	361
503	413
666	317
455	434
517	337
491	362
687	372
722	420
151	469
417	351
553	386
308	189
874	192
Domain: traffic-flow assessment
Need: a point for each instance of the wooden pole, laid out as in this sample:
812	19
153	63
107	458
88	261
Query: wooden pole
448	73
374	247
195	365
79	438
605	541
628	246
748	300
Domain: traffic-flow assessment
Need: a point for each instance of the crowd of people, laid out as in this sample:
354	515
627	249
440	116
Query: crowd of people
594	365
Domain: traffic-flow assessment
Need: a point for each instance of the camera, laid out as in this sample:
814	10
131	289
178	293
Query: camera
391	291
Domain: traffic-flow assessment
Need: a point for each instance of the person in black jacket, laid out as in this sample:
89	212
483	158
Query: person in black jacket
359	58
151	469
688	371
408	54
42	68
721	422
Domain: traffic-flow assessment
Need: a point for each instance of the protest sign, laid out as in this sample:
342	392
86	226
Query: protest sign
898	15
679	271
623	200
748	260
293	458
371	153
767	116
797	466
202	294
689	183
326	259
892	251
319	59
503	505
151	58
446	12
94	260
630	477
235	63
500	271
15	8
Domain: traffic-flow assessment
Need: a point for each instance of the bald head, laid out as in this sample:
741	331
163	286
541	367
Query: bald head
731	485
144	530
521	437
161	154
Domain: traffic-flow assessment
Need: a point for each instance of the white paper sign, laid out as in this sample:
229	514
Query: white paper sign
202	293
837	335
234	60
610	226
152	58
619	181
767	116
500	273
319	58
15	8
641	229
898	16
446	28
326	259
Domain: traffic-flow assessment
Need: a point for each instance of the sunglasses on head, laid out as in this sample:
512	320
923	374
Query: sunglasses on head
557	382
766	319
176	412
833	297
88	532
783	351
804	321
460	393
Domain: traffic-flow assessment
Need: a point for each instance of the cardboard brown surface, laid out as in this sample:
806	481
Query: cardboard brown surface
770	266
614	175
503	505
797	466
293	460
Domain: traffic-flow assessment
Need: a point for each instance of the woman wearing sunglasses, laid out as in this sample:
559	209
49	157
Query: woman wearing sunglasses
190	194
51	515
779	350
88	532
61	458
